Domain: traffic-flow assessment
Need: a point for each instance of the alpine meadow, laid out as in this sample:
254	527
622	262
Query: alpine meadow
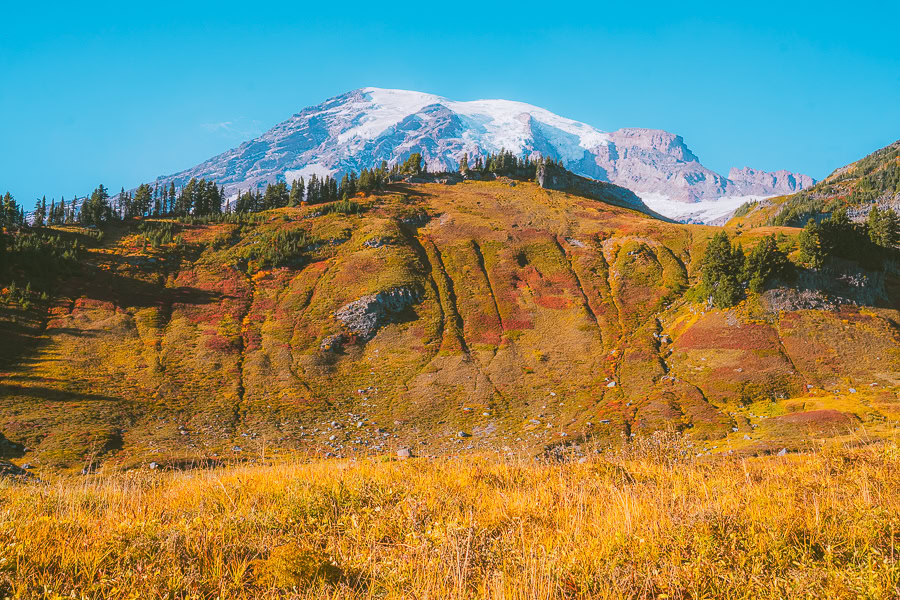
401	346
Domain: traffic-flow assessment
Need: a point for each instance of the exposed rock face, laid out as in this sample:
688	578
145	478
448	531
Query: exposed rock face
754	181
657	162
362	128
364	317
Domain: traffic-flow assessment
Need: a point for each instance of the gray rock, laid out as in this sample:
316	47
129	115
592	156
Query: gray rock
404	453
376	242
755	182
462	434
8	469
782	452
332	343
367	315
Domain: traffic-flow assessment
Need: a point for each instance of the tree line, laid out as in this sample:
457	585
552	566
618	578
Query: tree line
727	274
202	198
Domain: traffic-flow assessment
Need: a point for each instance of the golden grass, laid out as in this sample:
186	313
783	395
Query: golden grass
648	523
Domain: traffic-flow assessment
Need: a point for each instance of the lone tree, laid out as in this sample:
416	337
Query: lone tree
721	269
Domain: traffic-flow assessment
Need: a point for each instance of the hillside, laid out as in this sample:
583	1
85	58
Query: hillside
481	316
871	181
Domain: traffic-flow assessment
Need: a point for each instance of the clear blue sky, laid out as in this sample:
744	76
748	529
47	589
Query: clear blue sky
120	92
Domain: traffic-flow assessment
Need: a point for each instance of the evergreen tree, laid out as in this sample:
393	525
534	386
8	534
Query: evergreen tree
141	203
96	209
721	268
765	262
883	227
276	196
171	204
297	190
812	252
464	163
39	216
184	204
216	198
414	165
122	206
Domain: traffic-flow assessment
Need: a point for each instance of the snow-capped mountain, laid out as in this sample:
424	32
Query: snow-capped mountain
361	128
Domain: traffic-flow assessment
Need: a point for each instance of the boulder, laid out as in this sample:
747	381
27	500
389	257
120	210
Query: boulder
367	315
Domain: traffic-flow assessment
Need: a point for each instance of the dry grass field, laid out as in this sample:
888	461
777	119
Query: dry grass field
652	521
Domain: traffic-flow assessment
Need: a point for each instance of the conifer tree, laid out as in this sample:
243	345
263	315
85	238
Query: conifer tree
883	227
764	263
464	163
297	190
171	205
720	270
96	209
812	252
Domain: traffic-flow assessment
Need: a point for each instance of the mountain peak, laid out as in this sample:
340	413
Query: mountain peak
366	126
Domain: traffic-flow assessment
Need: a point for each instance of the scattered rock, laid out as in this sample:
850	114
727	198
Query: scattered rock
153	466
8	469
462	434
611	384
404	453
376	242
782	452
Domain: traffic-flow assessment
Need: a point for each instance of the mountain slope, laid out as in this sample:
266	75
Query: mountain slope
870	181
478	316
361	128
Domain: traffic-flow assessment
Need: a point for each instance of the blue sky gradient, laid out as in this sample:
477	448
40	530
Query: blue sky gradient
122	92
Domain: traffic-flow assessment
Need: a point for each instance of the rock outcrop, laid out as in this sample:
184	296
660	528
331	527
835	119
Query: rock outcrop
753	181
365	316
